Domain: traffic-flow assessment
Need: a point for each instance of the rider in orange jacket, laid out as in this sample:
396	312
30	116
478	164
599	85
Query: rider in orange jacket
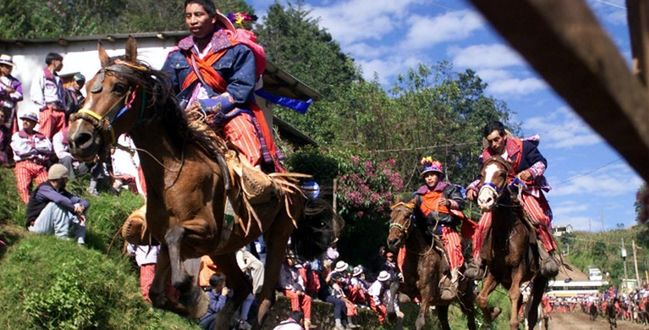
435	204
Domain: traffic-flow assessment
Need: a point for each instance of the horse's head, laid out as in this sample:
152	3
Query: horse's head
494	178
400	221
116	97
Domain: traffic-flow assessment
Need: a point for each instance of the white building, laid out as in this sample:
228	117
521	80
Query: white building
80	55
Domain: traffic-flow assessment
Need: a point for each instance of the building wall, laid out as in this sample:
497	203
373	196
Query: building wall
78	56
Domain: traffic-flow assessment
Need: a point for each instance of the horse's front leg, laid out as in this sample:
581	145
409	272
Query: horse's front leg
159	291
515	296
276	241
442	315
488	285
538	288
466	299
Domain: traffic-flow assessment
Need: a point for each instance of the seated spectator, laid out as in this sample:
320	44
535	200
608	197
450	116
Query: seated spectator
54	210
32	151
311	279
218	296
293	285
294	322
336	280
206	270
146	257
380	296
5	140
358	287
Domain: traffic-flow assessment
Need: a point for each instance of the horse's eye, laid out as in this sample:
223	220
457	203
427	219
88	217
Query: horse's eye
119	89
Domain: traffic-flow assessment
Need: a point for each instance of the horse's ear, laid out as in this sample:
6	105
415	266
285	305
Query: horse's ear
104	59
131	50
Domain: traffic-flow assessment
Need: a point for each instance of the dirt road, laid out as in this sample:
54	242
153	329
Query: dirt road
580	321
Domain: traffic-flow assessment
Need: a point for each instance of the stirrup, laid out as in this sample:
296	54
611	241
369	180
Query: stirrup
473	271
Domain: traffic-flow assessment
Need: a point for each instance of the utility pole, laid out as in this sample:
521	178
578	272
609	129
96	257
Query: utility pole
623	252
635	263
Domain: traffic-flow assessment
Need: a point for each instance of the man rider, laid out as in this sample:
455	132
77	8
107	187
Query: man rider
529	165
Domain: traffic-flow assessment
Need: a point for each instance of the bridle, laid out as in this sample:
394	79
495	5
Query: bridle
513	185
403	229
104	123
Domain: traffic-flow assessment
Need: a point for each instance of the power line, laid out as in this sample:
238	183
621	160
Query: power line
590	172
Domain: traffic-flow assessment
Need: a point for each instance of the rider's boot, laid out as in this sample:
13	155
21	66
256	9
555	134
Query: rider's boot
549	265
473	269
449	285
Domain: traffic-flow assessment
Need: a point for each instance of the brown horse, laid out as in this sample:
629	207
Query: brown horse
423	267
509	247
187	185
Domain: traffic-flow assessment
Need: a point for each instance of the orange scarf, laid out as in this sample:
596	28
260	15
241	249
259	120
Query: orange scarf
219	85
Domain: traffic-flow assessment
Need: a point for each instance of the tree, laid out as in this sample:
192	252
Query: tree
31	19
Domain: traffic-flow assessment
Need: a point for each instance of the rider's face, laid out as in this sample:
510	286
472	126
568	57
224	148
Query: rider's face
431	178
198	21
496	141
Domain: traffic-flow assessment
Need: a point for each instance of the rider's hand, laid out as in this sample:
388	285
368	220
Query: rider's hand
445	202
471	194
525	175
225	291
194	111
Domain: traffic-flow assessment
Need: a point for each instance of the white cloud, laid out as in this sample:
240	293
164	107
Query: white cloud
492	56
452	26
387	68
610	181
356	20
562	129
516	86
489	60
366	51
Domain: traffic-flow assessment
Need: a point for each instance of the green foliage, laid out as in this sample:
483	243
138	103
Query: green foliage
63	305
32	19
309	160
55	284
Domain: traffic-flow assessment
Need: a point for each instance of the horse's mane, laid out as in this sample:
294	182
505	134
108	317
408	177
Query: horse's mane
157	85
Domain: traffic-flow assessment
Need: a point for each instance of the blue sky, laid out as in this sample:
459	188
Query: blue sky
593	187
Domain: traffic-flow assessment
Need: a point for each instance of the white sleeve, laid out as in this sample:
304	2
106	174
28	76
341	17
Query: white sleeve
36	91
20	147
60	148
44	146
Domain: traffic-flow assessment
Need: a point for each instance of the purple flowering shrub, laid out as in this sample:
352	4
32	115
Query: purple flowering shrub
365	191
367	188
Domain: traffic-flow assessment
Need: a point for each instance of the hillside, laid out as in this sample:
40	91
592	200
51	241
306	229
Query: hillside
603	250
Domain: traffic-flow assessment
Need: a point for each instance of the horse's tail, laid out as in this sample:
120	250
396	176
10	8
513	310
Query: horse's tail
317	229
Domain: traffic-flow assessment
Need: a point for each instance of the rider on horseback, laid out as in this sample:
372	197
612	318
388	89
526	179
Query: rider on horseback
215	70
436	201
528	165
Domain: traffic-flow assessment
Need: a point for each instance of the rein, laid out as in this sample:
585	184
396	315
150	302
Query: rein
104	123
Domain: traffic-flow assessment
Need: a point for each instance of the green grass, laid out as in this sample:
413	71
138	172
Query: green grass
54	284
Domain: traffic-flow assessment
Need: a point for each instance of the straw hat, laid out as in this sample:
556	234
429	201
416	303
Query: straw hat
383	276
6	60
57	171
341	266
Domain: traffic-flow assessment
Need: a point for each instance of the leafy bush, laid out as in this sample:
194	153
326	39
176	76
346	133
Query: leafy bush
55	284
